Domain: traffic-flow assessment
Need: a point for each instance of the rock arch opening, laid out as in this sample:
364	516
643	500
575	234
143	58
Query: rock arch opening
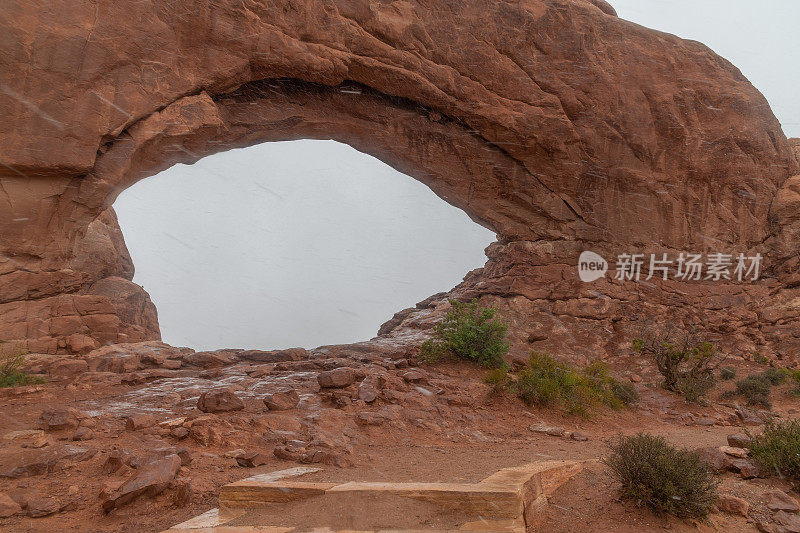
297	243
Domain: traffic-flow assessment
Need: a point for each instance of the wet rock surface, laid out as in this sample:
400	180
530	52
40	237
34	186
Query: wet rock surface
149	443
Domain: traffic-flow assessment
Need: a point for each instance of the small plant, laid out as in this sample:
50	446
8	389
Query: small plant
498	378
760	359
776	376
626	392
777	449
11	358
664	478
545	381
685	361
468	332
795	375
727	373
756	388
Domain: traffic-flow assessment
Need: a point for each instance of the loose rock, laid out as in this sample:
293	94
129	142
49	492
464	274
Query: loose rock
336	378
790	521
39	507
733	505
219	401
56	419
282	400
137	422
150	480
739	440
251	459
777	500
8	507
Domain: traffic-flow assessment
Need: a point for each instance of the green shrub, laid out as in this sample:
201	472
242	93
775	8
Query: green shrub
777	449
468	332
498	378
795	375
686	362
760	359
775	376
664	478
756	388
546	382
727	373
695	387
11	359
626	392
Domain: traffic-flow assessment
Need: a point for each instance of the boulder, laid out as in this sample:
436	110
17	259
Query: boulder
81	344
715	458
273	356
746	468
282	400
288	453
219	401
732	505
83	433
251	459
116	460
141	421
179	432
68	368
211	360
739	440
789	521
44	461
336	378
740	453
413	376
8	507
368	389
57	419
149	480
42	506
777	500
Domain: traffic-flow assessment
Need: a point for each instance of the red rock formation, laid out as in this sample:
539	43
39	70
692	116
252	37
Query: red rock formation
553	122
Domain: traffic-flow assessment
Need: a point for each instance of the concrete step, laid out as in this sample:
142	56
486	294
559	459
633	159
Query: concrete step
510	500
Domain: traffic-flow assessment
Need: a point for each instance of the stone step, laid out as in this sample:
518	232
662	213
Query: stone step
510	500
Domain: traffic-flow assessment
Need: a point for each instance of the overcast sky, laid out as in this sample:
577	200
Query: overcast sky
307	243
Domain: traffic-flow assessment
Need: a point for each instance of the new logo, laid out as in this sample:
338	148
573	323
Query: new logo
591	266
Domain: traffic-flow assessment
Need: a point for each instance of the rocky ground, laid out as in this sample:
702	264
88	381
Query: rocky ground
145	434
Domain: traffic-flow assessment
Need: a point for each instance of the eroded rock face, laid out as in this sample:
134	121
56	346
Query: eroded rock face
553	122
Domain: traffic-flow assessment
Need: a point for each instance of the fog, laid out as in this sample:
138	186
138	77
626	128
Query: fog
298	243
306	243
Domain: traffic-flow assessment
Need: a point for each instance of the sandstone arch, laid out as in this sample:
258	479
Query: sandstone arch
552	122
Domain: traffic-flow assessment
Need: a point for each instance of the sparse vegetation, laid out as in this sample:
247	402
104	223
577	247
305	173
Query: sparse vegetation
547	382
625	391
11	358
756	388
795	375
498	378
727	373
760	359
777	449
686	362
664	478
468	332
